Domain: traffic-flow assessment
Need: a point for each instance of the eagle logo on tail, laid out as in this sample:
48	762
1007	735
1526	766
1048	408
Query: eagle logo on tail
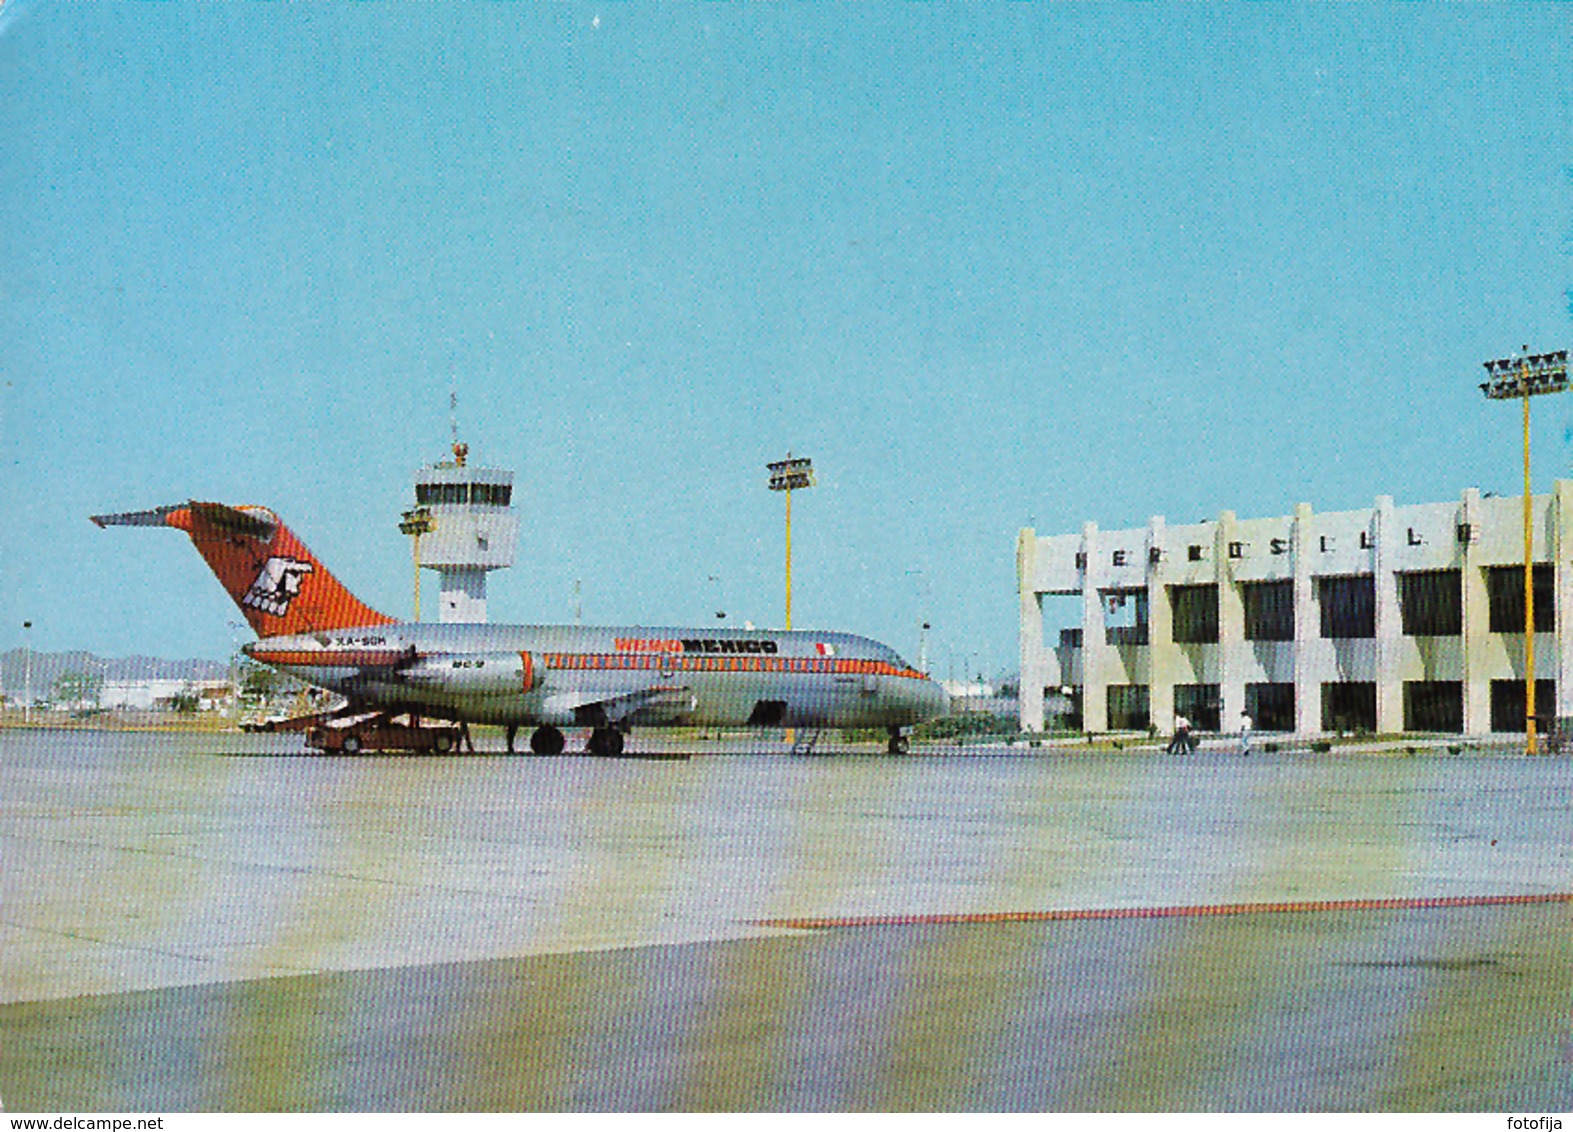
277	585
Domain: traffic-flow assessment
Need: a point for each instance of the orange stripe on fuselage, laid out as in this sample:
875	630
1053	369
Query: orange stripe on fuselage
315	658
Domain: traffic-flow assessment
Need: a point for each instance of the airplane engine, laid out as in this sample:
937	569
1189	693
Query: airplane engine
474	674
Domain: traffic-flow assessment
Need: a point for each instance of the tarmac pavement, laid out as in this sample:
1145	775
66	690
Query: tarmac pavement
205	922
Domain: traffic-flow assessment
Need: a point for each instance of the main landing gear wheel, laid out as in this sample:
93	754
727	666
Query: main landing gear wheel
443	744
547	741
351	745
605	742
899	744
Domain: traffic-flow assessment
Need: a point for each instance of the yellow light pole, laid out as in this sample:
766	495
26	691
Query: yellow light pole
787	475
27	667
1523	378
417	522
790	475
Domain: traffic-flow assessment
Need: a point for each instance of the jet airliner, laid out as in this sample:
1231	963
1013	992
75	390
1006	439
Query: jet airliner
543	677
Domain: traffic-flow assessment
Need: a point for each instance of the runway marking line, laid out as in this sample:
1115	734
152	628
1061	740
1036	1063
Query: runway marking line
1402	903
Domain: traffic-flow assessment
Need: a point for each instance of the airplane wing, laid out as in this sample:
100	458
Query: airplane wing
659	703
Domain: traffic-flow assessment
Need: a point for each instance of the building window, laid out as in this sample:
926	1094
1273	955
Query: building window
1062	708
1431	604
1348	607
1507	701
1434	705
1128	709
1349	706
1124	616
1505	595
1195	614
1199	704
1270	706
1269	611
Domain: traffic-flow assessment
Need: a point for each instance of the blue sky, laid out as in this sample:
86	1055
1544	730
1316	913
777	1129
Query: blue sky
989	266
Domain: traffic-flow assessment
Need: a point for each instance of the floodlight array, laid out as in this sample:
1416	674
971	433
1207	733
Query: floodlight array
417	522
1526	376
791	475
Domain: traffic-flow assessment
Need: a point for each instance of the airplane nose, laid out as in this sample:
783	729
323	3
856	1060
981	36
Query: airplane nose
930	701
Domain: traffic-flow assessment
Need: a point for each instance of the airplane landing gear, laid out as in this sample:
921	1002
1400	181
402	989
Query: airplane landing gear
605	742
511	732
899	744
546	741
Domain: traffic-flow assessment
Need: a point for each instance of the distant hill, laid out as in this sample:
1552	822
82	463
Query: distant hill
49	666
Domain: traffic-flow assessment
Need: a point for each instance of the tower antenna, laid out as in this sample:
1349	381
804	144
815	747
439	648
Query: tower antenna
460	451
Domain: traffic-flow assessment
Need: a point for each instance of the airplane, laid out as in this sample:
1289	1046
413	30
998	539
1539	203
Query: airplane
545	677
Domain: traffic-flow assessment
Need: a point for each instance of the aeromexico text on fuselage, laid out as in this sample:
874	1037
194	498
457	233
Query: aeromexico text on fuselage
633	640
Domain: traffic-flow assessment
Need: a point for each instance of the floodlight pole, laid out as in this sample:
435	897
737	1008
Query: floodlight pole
1523	378
789	559
785	475
1529	582
27	669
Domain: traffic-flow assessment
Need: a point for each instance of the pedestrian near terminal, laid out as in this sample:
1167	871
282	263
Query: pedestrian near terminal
1182	743
1245	733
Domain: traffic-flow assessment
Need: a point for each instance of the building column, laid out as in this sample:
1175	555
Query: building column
1029	696
1559	543
1476	609
1231	626
1307	626
1389	619
1094	690
1162	652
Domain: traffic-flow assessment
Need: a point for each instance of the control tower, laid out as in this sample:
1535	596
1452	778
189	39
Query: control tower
470	528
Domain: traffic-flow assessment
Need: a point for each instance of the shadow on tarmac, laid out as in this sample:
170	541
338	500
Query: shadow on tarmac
1438	1009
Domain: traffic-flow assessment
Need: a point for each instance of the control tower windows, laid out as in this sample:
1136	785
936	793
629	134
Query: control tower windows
491	494
459	494
436	494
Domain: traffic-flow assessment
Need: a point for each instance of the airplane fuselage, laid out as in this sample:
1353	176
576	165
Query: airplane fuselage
566	675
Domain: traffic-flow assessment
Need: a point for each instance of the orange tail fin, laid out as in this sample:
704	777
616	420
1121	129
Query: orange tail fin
277	583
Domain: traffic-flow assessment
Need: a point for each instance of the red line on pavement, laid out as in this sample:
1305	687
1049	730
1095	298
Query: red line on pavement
1178	910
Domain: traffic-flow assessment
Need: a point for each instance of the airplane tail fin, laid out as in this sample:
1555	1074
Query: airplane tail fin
277	583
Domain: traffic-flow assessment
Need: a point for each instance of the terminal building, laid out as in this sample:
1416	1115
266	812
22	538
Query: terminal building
1385	619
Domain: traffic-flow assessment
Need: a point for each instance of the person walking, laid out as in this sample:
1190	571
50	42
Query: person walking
1245	733
1182	743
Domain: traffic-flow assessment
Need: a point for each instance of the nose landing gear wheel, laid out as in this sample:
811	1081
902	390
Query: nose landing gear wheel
547	741
899	744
